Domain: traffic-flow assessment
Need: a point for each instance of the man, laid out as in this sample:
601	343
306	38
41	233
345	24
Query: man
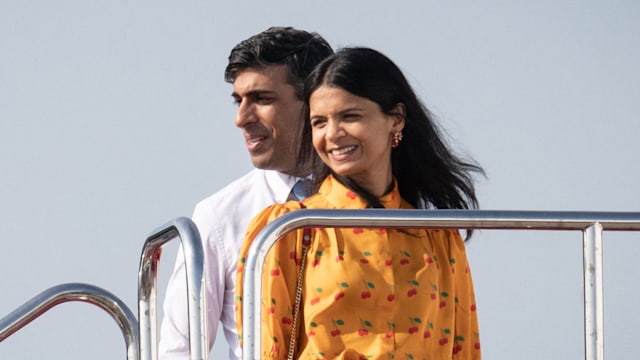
267	72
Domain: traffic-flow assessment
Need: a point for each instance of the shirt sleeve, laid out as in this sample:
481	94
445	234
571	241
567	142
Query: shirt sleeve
174	330
279	277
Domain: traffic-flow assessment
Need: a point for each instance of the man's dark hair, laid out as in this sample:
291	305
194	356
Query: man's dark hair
300	51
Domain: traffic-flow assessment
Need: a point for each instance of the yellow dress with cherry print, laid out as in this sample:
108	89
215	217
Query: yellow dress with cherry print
369	293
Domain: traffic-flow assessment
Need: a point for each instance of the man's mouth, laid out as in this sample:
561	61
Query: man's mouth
254	142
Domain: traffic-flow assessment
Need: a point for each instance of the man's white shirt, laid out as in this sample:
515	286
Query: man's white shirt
222	220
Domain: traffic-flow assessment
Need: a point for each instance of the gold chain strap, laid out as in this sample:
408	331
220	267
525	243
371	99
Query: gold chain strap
306	241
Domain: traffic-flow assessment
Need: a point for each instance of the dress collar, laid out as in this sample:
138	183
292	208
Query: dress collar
342	197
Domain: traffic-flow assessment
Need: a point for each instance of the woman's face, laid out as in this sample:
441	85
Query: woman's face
353	136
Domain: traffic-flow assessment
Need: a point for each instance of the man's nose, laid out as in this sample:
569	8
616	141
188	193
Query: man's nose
245	114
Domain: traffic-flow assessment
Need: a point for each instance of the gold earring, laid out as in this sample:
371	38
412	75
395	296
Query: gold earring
397	137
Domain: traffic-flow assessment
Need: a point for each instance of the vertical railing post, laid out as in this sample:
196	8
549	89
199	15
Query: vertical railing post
593	293
187	232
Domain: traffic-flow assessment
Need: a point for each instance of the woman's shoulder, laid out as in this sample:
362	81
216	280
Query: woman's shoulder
267	215
275	210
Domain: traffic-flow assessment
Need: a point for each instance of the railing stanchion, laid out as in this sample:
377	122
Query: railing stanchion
184	229
593	293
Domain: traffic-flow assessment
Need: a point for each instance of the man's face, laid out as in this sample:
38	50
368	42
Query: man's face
268	114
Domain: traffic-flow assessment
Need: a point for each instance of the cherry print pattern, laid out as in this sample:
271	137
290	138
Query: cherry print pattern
379	286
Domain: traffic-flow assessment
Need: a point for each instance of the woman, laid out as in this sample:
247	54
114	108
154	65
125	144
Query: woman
371	293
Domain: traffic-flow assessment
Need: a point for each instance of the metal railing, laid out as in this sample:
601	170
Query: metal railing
184	229
590	223
59	294
141	340
140	336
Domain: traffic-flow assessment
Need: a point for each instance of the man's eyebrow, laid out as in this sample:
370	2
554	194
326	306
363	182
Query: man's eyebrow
253	93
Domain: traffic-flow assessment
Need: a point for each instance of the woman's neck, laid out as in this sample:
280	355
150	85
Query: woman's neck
375	187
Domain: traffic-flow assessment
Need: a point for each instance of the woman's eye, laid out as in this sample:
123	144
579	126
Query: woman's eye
317	123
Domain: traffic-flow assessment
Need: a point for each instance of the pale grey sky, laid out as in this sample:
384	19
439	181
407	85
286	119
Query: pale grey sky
114	118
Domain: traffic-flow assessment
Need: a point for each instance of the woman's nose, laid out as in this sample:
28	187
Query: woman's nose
334	130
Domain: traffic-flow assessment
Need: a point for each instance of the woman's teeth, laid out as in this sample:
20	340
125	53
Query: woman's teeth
343	150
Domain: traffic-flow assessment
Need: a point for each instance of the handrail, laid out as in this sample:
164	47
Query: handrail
187	232
591	223
62	293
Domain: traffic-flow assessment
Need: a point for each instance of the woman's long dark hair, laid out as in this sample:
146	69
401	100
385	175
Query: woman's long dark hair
429	174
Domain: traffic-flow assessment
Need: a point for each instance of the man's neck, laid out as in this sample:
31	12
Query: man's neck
299	171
